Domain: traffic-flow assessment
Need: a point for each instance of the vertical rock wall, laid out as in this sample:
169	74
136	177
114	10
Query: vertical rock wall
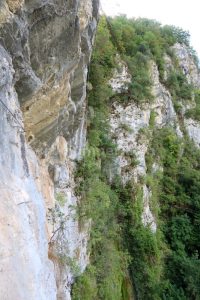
131	123
45	48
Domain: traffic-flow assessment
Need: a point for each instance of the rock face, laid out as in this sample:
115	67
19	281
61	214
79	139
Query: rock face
26	271
45	48
187	64
192	73
121	77
193	129
131	124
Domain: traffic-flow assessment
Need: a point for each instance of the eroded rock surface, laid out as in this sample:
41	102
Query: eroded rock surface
26	271
131	129
131	124
187	64
121	77
45	48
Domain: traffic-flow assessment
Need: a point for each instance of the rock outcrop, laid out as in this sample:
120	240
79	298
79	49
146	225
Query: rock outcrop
131	124
45	48
187	64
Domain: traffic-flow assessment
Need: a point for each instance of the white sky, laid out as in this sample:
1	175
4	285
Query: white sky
181	13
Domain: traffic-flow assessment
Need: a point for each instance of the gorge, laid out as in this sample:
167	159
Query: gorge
100	159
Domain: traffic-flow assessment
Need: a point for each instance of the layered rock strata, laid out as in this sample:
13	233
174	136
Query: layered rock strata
45	48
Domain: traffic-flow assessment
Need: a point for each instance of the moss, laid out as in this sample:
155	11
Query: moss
60	198
152	119
126	127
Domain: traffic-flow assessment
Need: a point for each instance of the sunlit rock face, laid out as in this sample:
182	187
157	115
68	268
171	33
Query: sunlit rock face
191	70
45	49
121	77
193	129
26	271
187	64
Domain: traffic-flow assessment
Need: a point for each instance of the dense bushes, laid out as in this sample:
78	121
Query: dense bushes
117	233
194	113
180	214
179	88
104	279
139	41
125	255
144	247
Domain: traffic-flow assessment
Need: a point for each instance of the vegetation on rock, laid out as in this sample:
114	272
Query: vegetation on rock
126	257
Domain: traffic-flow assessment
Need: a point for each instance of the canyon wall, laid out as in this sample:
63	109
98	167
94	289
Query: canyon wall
45	49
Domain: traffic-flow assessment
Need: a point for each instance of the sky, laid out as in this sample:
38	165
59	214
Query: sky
181	13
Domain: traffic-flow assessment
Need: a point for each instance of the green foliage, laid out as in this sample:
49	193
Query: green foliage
71	263
126	127
194	113
60	198
133	159
179	88
124	253
104	279
99	202
135	50
139	41
104	49
152	119
180	214
173	34
85	287
144	247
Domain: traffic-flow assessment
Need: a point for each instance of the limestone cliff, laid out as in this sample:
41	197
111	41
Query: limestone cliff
45	48
131	124
139	179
